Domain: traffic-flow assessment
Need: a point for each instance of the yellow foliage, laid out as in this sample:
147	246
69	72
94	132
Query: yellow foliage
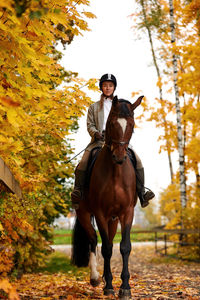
155	19
9	289
29	104
37	113
159	82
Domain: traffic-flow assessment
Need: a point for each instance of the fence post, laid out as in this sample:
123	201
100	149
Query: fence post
156	249
199	243
165	238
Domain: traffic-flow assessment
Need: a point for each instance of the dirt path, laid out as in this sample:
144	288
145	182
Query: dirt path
154	277
151	277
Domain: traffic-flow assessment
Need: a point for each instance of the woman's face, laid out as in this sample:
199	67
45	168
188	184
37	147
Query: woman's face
108	88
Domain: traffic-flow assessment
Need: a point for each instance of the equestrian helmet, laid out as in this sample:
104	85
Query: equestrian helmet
107	77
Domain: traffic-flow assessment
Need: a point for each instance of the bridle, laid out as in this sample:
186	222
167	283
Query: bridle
112	148
116	142
119	143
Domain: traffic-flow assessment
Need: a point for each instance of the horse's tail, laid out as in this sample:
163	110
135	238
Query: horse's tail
80	246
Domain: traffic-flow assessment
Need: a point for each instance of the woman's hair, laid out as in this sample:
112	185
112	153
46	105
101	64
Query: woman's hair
102	100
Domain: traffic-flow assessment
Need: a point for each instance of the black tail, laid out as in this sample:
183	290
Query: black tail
80	246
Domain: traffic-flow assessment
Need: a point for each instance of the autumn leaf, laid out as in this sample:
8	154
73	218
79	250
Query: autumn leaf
9	289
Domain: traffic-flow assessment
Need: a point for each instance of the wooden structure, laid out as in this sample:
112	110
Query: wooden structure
164	235
7	181
180	242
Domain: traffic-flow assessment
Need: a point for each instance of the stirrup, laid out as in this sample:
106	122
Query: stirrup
146	197
75	206
76	196
149	195
75	203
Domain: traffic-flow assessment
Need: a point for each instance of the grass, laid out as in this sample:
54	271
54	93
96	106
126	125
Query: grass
59	263
66	240
62	240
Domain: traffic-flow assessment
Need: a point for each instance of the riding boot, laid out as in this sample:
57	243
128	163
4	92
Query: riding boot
143	196
77	193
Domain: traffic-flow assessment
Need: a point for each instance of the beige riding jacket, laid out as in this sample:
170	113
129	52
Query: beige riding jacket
95	118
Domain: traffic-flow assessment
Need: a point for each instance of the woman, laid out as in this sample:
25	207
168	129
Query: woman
96	123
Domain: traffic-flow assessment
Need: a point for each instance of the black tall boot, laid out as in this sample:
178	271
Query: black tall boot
143	196
77	193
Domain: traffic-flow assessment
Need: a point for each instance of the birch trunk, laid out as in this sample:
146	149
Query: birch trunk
160	88
178	112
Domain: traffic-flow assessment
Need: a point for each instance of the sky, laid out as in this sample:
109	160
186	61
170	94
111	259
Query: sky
112	47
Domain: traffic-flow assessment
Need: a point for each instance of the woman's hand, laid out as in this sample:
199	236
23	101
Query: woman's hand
98	136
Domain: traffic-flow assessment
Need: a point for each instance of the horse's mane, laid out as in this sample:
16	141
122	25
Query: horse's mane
124	109
125	101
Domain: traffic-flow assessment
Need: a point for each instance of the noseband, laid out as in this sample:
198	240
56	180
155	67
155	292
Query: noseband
119	143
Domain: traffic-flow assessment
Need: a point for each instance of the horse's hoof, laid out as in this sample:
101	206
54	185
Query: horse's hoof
125	294
108	292
95	282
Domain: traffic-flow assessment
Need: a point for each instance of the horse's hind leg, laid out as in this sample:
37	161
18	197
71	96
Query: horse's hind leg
85	220
94	274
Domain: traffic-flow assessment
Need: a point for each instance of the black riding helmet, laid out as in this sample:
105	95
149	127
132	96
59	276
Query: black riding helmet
107	77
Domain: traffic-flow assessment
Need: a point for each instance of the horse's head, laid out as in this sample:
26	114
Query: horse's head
119	127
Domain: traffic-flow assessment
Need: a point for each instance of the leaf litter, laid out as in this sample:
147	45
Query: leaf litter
151	277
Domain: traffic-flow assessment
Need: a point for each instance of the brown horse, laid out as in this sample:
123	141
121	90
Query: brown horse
110	199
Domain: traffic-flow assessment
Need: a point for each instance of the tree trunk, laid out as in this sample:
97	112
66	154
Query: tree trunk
178	112
160	87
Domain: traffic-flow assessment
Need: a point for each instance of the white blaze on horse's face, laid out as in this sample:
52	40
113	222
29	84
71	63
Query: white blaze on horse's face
123	123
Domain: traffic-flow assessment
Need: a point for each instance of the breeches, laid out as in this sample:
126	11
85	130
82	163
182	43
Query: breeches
84	161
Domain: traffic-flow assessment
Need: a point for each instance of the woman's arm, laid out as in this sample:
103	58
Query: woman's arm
91	125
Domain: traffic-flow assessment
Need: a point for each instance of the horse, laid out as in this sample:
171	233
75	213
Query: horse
110	199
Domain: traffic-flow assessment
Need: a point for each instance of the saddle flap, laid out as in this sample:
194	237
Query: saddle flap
132	157
91	161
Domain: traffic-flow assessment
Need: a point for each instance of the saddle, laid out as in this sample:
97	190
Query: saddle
91	161
93	157
132	157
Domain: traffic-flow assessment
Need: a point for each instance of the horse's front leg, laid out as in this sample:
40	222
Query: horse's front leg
106	251
125	249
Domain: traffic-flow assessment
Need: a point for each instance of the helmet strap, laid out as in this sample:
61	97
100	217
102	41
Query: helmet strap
111	96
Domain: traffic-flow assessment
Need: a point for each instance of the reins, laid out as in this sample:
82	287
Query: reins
121	143
79	153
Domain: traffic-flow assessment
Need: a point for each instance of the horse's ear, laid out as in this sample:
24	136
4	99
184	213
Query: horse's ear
137	102
115	100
